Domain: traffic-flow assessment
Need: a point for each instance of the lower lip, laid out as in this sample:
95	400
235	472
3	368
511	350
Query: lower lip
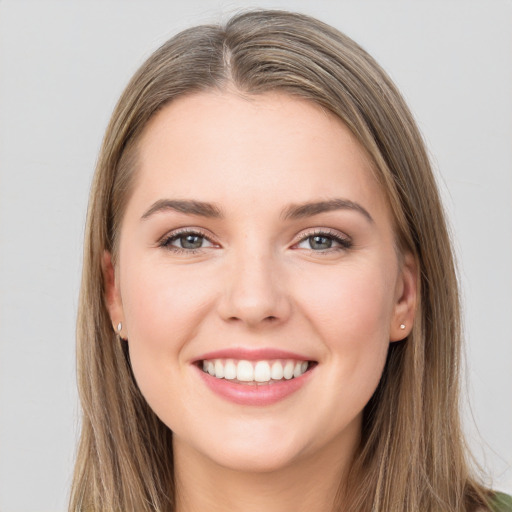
255	394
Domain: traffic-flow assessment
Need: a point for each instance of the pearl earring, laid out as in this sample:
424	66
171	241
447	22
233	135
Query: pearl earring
119	326
402	326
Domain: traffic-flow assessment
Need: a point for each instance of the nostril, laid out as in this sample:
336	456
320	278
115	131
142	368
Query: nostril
268	318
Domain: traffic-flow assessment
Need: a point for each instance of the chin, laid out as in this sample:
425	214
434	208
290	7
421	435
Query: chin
254	459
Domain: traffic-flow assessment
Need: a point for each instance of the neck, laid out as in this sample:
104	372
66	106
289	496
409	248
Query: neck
312	483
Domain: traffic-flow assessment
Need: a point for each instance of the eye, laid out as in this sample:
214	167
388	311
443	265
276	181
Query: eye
324	241
186	241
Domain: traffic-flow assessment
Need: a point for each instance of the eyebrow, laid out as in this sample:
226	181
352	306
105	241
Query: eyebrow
299	211
184	206
291	212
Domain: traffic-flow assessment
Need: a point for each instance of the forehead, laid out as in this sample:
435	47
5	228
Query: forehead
225	147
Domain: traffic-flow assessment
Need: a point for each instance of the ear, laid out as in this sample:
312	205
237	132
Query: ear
405	299
112	293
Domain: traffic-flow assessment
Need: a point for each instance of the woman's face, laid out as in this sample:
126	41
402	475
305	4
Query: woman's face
257	245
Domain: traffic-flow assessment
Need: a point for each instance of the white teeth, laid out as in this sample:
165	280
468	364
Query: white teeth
255	371
288	370
244	371
277	371
262	371
230	370
219	369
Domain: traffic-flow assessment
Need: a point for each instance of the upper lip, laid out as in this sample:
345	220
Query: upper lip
251	354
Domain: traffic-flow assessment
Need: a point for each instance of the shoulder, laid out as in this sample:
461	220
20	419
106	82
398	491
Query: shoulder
501	502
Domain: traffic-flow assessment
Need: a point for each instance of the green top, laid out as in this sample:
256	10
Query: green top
501	503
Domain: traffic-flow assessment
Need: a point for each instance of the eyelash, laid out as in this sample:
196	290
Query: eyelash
167	240
344	242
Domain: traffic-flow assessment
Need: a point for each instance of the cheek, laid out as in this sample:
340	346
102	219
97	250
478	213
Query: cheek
163	308
351	313
353	304
162	304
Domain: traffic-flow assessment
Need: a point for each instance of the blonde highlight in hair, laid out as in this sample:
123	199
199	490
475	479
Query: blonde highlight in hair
412	455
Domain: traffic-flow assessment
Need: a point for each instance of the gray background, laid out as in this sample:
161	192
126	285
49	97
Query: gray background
63	66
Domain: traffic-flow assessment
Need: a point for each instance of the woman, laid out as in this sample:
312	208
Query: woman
269	314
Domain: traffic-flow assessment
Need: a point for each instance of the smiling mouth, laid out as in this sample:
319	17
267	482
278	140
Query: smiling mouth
255	372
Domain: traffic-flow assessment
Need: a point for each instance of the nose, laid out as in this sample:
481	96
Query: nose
254	291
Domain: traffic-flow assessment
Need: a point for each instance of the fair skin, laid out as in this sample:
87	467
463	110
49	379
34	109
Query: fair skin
324	287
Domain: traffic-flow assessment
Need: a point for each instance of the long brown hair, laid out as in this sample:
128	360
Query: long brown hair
412	455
